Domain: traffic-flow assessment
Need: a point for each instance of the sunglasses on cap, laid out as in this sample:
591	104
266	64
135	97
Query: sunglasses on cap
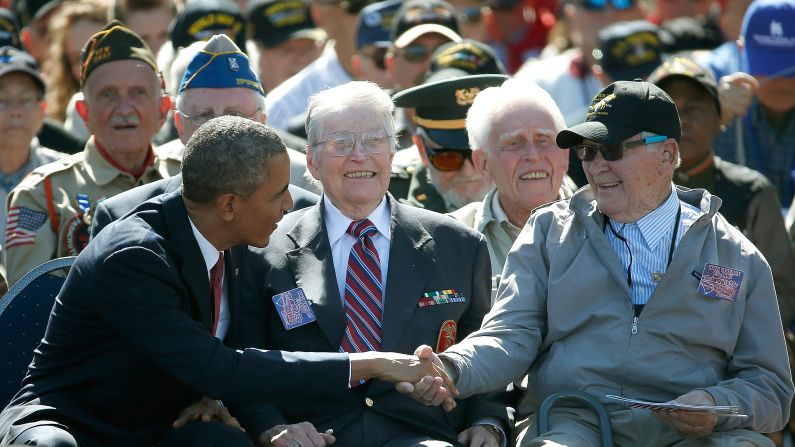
447	160
613	152
598	5
414	53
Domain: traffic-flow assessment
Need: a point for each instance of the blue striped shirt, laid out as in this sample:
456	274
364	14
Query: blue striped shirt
648	244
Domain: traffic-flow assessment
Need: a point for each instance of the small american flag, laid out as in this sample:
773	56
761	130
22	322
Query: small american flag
22	226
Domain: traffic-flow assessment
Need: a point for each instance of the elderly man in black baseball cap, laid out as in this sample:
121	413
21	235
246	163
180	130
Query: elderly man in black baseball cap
633	288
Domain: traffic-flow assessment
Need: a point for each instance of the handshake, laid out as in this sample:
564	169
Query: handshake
421	375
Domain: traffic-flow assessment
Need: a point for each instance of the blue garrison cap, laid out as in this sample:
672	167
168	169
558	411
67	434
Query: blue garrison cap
220	64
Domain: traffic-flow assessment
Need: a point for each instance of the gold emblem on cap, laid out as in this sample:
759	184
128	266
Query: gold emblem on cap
466	96
599	106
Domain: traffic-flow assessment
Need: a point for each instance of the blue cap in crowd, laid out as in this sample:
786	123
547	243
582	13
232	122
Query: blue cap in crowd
769	35
374	24
220	64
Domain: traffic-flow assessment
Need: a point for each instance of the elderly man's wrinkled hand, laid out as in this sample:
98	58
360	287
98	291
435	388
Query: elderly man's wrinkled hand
303	434
429	390
690	424
206	410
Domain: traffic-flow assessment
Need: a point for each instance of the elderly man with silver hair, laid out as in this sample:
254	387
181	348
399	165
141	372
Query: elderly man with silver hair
633	288
512	131
380	276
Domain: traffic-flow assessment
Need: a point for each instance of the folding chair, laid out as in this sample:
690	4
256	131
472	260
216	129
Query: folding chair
604	420
24	311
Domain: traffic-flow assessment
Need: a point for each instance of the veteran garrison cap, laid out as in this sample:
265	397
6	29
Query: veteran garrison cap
220	64
271	22
623	109
201	19
113	43
441	107
629	50
680	67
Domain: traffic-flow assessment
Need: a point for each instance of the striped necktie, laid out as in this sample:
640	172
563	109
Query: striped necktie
363	291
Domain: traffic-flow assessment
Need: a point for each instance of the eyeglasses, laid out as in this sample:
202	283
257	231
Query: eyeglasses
613	152
340	144
598	5
27	103
376	54
447	160
415	53
200	118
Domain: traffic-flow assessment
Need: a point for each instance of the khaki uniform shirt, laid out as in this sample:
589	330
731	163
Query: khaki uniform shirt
50	211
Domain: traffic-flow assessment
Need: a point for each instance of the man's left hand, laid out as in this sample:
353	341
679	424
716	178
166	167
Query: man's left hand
479	436
206	410
690	424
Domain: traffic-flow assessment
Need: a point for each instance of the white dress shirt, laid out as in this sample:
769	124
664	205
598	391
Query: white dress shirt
211	255
341	242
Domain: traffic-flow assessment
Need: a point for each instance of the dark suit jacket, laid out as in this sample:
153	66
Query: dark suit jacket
128	343
429	252
117	206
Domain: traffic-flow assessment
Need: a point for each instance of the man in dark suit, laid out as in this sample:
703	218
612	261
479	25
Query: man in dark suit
218	81
136	332
411	277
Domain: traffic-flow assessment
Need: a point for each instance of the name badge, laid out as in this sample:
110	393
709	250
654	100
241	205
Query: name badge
720	283
293	308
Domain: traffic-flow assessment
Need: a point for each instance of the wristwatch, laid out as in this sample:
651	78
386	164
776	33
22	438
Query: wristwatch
496	431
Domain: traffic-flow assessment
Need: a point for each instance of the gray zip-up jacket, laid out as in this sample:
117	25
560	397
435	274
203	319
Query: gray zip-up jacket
564	319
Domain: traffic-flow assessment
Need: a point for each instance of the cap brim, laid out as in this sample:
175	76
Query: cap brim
449	139
306	33
595	131
416	32
29	71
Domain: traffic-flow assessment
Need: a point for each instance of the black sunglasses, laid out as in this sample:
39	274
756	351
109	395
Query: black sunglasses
613	152
414	53
447	160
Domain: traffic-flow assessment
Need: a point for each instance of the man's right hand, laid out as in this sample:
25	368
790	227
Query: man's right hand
410	369
429	390
736	92
303	434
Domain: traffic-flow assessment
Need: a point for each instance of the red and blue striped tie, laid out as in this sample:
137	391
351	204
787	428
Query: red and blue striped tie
363	291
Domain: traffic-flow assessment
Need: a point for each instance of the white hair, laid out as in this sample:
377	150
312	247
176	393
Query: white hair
481	115
180	101
339	99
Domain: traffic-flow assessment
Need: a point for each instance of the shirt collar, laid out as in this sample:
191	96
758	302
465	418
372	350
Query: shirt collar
656	224
337	223
210	254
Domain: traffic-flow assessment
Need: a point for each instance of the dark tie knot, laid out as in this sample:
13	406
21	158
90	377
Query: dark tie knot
361	228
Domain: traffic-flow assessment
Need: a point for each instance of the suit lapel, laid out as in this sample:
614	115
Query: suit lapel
312	267
192	268
410	265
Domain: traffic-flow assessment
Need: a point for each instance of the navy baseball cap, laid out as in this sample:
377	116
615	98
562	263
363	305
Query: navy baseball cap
374	23
422	12
272	22
9	29
201	19
468	56
629	50
623	109
13	60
